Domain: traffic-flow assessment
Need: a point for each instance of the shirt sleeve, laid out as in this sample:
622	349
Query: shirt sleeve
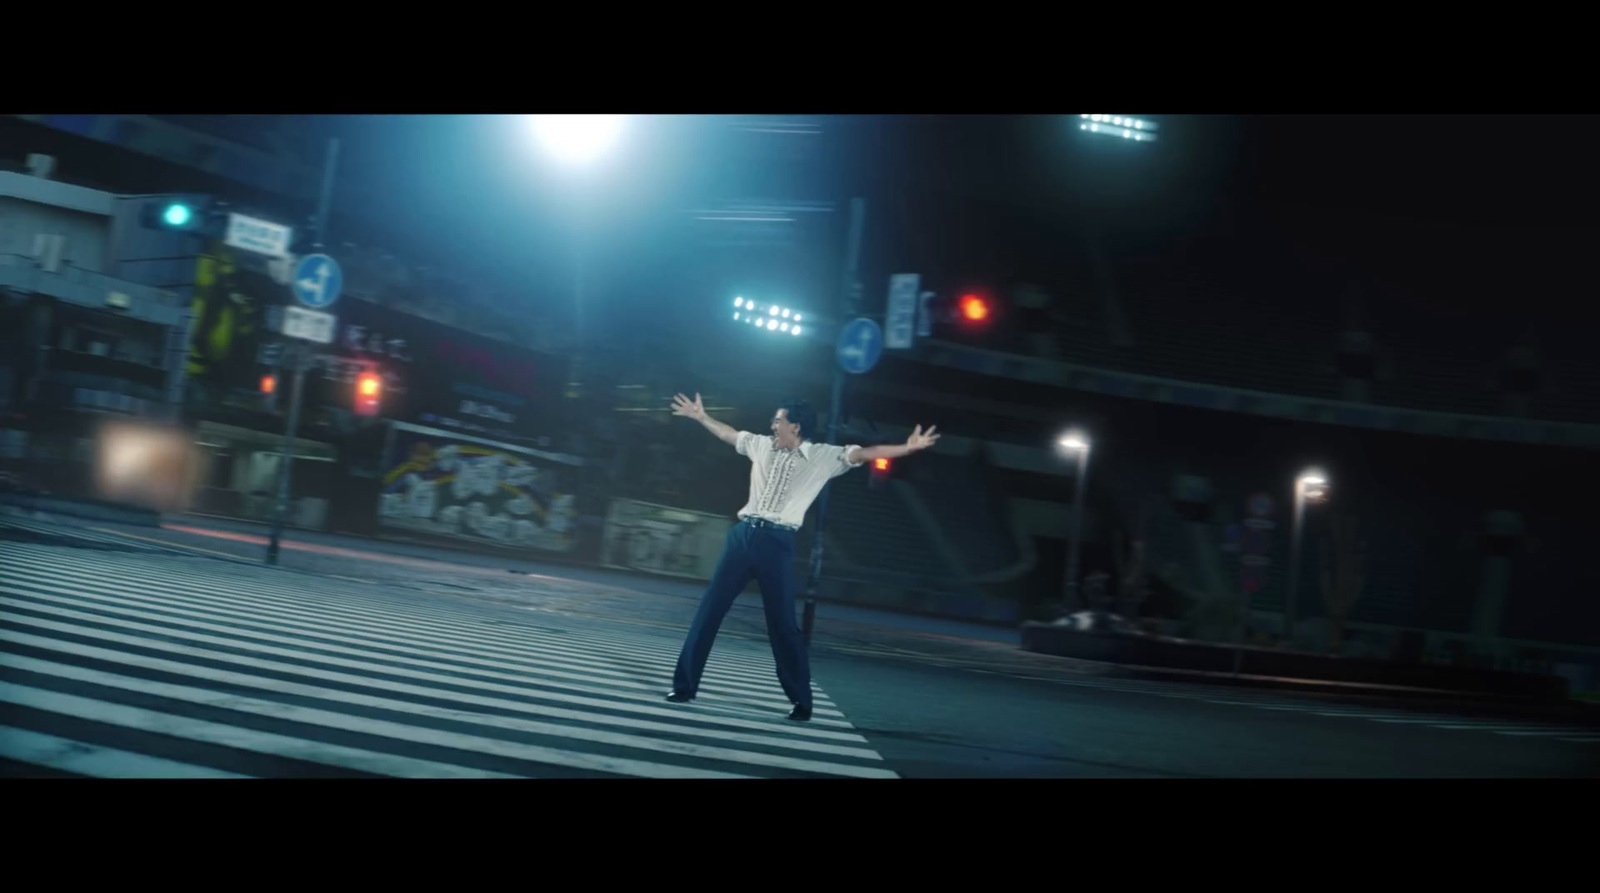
751	445
843	464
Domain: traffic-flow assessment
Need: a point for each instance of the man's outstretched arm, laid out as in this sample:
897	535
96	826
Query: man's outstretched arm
693	409
918	441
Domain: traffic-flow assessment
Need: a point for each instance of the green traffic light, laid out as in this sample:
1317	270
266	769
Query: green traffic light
177	215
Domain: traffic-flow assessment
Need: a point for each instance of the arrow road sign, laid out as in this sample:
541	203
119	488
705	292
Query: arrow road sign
860	345
317	280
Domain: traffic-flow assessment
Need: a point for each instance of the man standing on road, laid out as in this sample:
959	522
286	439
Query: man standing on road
787	471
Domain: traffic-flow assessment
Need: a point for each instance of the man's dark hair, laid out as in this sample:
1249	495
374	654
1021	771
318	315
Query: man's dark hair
799	412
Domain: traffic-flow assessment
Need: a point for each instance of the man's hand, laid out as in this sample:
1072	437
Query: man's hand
694	409
921	440
687	408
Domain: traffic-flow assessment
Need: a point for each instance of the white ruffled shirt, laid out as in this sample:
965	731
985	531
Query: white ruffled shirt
783	483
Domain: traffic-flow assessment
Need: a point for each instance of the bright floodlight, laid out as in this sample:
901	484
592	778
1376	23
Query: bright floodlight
795	330
786	313
1129	128
1073	441
784	327
738	302
735	314
797	317
772	324
575	139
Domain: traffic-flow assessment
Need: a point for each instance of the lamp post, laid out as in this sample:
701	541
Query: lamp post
1075	443
577	142
1309	486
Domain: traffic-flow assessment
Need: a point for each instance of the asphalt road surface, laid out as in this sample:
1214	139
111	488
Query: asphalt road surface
133	652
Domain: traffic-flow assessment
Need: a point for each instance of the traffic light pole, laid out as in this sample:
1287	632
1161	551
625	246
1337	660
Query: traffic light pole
850	301
299	355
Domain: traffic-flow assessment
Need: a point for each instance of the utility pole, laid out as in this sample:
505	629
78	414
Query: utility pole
850	304
299	355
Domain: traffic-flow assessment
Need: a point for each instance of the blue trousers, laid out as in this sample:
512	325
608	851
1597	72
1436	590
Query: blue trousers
765	553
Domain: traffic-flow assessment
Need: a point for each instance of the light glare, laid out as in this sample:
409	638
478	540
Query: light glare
574	139
795	330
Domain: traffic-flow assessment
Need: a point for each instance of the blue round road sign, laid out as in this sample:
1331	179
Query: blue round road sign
860	346
317	280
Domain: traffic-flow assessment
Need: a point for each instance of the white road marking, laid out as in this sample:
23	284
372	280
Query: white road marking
226	735
92	760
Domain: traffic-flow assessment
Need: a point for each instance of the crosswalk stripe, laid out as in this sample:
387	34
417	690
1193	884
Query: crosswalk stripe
320	640
267	743
752	684
130	602
260	639
89	759
401	731
406	688
758	686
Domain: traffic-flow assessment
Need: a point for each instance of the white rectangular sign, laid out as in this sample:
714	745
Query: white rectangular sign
260	236
312	325
900	322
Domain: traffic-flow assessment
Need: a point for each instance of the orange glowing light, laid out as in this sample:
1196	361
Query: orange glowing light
881	464
974	308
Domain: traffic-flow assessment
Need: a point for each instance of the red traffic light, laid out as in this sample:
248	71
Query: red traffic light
269	384
974	308
369	387
880	464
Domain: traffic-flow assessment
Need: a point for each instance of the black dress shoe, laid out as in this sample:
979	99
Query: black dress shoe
800	713
678	698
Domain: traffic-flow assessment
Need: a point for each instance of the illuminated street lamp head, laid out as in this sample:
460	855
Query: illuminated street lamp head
577	139
1314	485
1073	441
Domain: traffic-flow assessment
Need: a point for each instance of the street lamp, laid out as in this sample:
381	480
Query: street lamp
577	141
1075	442
1310	486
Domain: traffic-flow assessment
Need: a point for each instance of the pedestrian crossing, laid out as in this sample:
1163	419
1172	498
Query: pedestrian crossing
24	527
136	664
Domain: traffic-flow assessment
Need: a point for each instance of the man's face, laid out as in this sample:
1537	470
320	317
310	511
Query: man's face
788	434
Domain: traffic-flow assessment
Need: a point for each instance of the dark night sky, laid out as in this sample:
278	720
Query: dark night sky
1466	208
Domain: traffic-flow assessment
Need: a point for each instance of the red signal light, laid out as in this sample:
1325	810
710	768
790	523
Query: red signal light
974	308
368	389
880	464
269	384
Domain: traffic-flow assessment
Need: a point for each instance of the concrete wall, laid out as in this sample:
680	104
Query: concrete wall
86	234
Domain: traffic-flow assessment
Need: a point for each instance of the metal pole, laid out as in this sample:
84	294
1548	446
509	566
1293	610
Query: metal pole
849	300
325	200
1081	486
300	358
576	369
285	460
1290	606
